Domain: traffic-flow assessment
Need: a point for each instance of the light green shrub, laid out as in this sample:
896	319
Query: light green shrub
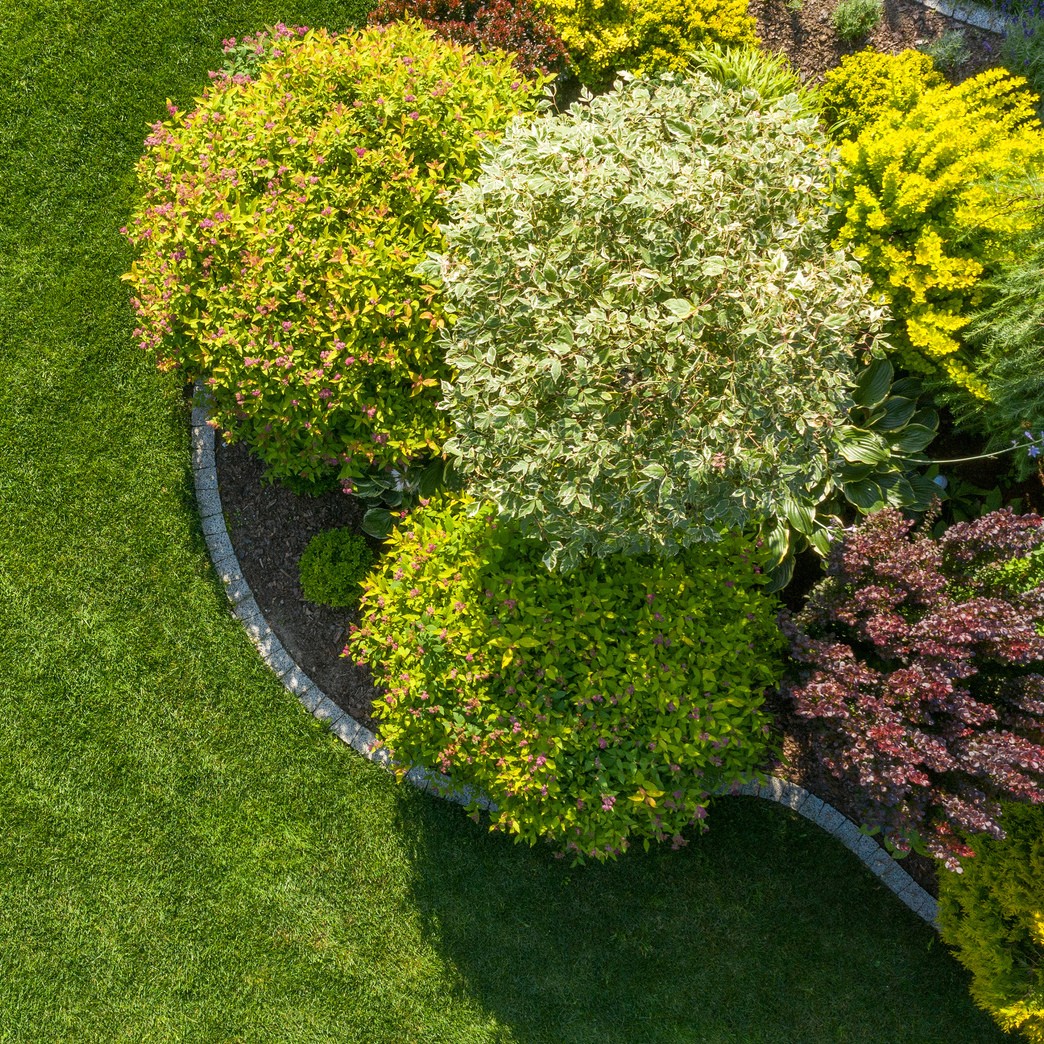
281	222
854	19
1007	337
992	914
869	85
604	37
653	339
1022	50
592	708
948	51
769	77
933	202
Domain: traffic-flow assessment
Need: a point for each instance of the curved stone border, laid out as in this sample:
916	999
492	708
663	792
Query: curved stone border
362	740
970	13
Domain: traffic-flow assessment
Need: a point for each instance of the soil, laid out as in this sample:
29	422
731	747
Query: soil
270	527
803	30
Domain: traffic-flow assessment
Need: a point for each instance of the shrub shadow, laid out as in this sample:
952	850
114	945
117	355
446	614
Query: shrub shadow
764	929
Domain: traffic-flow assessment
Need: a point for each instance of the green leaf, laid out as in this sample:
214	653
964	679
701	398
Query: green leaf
862	447
678	307
897	413
820	542
798	515
378	523
431	478
864	494
873	383
914	438
654	471
925	491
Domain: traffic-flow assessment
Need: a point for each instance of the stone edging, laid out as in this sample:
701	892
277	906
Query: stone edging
362	740
970	13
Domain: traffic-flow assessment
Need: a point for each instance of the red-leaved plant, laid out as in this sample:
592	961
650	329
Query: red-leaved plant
510	25
921	675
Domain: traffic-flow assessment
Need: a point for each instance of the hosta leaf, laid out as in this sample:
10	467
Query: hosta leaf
378	523
924	491
863	447
914	438
820	542
873	383
798	515
864	494
897	413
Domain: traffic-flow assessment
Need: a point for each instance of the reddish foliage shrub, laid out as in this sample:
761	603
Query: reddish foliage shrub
510	25
922	675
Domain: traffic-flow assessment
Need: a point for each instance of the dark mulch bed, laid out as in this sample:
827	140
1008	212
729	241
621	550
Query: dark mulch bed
807	36
270	527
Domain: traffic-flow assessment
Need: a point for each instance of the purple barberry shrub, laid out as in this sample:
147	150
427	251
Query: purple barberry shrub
919	670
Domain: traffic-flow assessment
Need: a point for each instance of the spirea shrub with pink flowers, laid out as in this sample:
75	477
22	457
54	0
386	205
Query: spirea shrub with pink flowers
279	230
593	708
922	675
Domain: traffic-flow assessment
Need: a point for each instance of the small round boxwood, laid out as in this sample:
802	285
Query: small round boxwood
592	708
332	567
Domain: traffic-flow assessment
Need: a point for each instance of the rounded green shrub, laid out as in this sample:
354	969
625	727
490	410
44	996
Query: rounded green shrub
870	84
592	708
333	566
653	339
604	37
992	914
279	230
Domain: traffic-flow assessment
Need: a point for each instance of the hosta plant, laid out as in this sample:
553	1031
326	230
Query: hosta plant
279	230
594	709
517	26
653	339
932	198
920	675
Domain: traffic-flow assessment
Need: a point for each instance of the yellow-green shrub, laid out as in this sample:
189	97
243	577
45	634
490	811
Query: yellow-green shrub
279	228
605	36
593	707
993	915
931	199
868	84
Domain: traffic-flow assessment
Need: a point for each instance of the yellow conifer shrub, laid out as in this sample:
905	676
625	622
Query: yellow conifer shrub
931	200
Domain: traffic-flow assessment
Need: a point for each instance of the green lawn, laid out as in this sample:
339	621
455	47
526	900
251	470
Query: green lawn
184	853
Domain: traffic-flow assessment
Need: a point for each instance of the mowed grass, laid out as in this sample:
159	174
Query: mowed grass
184	853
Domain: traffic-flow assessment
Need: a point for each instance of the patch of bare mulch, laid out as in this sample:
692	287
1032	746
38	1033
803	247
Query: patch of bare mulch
805	33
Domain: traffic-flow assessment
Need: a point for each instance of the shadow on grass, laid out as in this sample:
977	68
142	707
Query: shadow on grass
764	929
